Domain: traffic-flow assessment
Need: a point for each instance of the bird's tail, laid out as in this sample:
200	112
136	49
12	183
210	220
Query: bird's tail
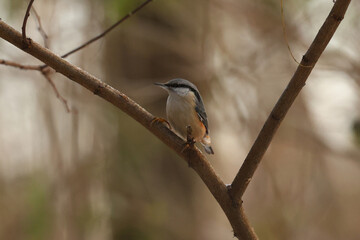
208	149
206	141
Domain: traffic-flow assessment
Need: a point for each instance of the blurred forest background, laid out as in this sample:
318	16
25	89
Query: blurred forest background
95	173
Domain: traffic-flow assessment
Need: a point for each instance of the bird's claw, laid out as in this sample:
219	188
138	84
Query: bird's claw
189	139
161	120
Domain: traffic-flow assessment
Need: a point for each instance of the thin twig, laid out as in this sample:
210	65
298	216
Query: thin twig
40	28
27	14
107	30
44	71
285	35
58	95
91	40
287	98
20	66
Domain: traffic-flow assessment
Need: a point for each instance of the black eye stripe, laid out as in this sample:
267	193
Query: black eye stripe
176	85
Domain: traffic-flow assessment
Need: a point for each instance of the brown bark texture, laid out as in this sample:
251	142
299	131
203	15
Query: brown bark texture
229	198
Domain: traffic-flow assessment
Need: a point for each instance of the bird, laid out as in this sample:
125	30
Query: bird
185	110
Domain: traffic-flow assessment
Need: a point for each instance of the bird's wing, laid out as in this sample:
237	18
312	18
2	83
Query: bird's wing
200	110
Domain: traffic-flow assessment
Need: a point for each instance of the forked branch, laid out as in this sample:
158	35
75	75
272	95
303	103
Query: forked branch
230	203
45	72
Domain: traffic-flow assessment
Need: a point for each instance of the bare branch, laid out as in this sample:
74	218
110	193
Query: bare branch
40	28
45	36
27	14
107	30
58	95
230	203
44	71
199	163
20	66
285	35
287	98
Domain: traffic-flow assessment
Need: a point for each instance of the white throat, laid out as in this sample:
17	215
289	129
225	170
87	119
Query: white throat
180	91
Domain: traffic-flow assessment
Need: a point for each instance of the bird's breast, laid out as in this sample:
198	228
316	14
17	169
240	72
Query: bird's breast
181	113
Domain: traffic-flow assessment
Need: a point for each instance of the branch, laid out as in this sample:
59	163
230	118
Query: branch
287	98
45	37
41	29
27	14
192	156
20	66
44	71
283	24
56	91
107	30
196	160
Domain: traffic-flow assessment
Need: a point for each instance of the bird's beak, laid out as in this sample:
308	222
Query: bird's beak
160	84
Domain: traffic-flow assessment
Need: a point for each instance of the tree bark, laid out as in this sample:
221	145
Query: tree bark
228	198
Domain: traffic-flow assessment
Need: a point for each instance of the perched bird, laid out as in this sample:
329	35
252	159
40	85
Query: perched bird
184	108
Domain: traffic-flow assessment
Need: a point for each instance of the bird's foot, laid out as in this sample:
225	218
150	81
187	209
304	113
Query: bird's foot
189	139
161	120
189	142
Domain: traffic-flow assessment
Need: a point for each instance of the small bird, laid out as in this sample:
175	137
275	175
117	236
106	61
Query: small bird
185	108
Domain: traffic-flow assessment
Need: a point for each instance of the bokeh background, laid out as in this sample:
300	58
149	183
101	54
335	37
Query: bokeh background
95	173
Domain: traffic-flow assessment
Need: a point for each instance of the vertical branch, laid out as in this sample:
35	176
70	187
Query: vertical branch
27	14
287	98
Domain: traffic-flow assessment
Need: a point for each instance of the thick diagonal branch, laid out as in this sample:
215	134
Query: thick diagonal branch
284	103
234	212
